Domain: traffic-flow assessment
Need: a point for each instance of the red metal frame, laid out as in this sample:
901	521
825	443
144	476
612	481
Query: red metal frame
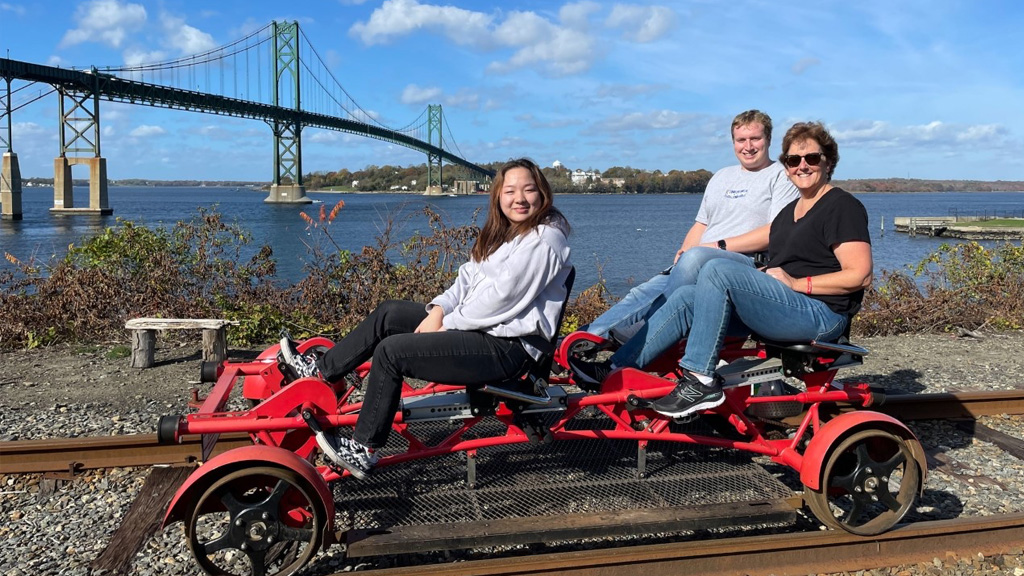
247	456
275	422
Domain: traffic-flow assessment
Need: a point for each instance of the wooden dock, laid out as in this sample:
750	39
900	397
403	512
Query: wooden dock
960	227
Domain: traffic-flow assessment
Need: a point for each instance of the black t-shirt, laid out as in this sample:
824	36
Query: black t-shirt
804	248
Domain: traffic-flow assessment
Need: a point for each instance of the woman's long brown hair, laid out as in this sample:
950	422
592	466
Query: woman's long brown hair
498	229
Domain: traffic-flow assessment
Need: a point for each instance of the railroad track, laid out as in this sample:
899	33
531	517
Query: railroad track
798	553
88	453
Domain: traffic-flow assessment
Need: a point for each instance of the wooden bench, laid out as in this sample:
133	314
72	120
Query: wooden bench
215	340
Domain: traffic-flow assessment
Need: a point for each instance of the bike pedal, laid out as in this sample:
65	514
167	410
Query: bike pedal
634	402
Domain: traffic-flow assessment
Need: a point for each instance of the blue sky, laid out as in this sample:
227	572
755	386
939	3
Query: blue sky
920	89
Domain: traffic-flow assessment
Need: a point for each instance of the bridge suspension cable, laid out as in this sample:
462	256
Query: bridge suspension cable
243	78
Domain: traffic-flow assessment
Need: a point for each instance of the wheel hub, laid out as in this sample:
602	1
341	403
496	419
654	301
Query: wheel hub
256	529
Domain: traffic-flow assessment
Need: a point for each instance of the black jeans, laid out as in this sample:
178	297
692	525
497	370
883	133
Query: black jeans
450	357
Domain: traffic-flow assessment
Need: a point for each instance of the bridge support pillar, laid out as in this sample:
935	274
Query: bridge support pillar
64	192
288	194
10	187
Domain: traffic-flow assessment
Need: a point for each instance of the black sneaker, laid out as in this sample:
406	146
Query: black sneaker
589	375
689	396
348	454
301	365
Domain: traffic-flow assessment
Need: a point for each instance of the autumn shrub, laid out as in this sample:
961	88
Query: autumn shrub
340	288
958	287
193	270
204	268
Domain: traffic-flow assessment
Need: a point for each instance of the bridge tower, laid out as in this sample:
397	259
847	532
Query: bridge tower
434	122
287	186
79	111
10	174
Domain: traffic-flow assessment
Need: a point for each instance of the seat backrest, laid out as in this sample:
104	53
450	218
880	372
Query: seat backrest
484	399
543	365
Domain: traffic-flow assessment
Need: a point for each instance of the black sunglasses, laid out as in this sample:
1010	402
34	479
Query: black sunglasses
793	160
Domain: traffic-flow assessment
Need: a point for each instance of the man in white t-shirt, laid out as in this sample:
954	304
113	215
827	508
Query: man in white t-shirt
735	214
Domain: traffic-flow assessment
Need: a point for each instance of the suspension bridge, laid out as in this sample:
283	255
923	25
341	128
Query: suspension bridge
274	75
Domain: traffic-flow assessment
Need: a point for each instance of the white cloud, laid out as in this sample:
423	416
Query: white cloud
146	131
462	99
562	51
321	136
656	120
935	134
19	10
559	49
365	116
803	64
534	123
105	21
642	23
982	132
577	15
623	91
135	56
413	94
26	130
399	17
184	38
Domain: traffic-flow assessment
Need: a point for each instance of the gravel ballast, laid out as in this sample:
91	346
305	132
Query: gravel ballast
60	528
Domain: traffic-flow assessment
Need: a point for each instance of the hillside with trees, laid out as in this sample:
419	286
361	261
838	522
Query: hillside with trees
916	185
614	180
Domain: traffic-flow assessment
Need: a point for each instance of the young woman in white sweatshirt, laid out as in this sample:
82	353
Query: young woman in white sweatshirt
488	327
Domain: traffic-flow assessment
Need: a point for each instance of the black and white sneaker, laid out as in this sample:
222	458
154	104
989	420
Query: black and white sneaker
688	397
589	375
347	453
301	365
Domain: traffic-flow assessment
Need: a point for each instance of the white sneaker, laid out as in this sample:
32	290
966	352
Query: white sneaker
347	453
303	365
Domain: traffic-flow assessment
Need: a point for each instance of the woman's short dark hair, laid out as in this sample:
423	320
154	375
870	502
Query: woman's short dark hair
814	131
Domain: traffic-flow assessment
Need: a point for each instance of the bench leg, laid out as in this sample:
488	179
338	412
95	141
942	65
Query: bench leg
143	346
215	344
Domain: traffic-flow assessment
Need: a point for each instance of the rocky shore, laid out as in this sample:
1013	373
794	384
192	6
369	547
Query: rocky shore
87	391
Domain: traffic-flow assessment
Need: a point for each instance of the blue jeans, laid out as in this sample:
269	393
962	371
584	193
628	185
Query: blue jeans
728	292
648	297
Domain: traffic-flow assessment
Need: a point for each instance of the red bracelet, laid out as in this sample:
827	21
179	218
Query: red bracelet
808	284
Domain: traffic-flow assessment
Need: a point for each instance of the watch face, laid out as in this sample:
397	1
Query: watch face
721	244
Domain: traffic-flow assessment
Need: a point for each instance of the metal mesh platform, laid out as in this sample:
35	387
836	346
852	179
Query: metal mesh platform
562	478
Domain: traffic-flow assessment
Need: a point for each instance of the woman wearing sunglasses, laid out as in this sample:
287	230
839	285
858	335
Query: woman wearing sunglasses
820	264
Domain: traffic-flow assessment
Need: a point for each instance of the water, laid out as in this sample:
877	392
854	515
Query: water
628	238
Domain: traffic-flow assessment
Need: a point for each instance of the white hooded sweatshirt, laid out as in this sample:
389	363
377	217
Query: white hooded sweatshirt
517	291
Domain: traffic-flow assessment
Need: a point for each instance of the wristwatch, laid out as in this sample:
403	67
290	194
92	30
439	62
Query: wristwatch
721	244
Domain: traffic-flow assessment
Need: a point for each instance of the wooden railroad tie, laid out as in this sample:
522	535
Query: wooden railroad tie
215	340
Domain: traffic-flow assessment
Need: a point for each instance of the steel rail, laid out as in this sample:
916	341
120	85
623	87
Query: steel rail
94	452
797	553
76	454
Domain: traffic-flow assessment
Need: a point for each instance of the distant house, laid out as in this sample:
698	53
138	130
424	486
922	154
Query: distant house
579	177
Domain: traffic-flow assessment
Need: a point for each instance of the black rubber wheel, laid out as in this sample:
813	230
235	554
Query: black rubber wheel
167	429
208	371
256	521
